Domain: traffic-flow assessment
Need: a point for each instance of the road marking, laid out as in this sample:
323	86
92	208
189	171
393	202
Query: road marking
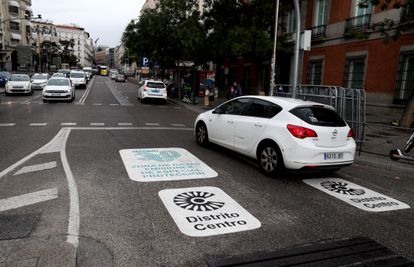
28	199
164	164
177	125
152	124
37	167
97	124
114	104
7	124
356	195
86	93
79	103
38	124
68	124
206	211
125	124
122	100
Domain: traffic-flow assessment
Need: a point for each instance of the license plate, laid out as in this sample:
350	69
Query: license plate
155	91
55	94
333	156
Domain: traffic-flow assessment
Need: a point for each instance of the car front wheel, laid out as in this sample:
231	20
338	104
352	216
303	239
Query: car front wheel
201	134
270	159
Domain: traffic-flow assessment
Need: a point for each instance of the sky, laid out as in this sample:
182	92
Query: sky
103	19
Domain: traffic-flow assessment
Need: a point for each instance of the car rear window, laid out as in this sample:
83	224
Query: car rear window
155	85
318	115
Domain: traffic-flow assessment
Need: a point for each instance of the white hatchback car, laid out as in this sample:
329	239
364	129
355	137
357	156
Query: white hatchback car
58	88
152	89
279	132
78	78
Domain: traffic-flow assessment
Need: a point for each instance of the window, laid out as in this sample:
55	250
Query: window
291	21
319	115
321	12
405	76
14	9
14	41
14	26
354	72
234	107
360	10
315	72
263	109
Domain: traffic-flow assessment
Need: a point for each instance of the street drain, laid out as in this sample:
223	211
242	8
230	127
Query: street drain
17	226
360	251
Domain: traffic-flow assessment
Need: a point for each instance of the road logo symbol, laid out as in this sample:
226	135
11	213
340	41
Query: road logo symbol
356	195
164	164
206	211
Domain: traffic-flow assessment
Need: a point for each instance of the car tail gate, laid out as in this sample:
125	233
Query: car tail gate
331	129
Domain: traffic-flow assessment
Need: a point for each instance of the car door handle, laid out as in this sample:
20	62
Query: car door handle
258	125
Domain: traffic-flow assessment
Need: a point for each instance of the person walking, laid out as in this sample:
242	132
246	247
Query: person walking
237	90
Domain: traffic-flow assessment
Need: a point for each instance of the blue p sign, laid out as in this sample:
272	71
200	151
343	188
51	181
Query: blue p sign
145	62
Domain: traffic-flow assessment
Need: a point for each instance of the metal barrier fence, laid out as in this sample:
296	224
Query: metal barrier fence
349	103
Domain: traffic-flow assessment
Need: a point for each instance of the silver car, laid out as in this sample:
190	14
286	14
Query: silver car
39	80
18	84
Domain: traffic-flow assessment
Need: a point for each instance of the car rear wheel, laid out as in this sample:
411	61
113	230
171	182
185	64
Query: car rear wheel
201	134
270	159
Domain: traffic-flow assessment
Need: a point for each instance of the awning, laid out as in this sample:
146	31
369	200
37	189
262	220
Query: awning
16	36
14	3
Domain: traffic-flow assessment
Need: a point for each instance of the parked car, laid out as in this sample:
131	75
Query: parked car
120	78
152	89
58	88
113	74
39	80
18	84
279	132
78	78
4	77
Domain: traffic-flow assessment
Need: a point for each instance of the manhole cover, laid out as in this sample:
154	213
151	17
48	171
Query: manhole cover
17	226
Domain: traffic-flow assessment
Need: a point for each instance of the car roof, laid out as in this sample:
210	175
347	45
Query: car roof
286	102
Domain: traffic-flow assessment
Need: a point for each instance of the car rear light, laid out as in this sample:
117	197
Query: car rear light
145	88
350	134
301	132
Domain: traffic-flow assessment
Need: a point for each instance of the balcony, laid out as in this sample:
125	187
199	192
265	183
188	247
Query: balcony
318	32
358	23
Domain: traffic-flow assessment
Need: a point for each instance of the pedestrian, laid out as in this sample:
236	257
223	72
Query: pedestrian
237	90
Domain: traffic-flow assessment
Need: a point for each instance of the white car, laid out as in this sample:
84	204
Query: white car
39	80
58	89
279	133
113	75
78	78
152	89
19	83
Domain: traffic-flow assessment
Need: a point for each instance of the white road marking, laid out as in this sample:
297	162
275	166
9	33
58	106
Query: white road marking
97	124
86	93
122	100
132	128
114	104
125	124
177	125
28	199
38	124
37	167
96	104
152	124
79	103
68	124
7	124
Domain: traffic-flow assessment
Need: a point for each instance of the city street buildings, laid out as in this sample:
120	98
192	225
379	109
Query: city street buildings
15	34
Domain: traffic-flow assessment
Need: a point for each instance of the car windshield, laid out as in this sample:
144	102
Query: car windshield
39	77
20	78
5	74
58	75
77	75
58	82
155	85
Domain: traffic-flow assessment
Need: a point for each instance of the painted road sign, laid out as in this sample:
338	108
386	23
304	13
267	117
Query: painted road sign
356	195
206	211
164	164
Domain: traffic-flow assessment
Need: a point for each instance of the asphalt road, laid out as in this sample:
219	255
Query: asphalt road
89	209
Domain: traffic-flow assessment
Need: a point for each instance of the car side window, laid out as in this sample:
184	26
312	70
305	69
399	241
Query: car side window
263	109
234	107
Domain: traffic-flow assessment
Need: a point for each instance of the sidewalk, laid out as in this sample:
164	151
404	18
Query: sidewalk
381	138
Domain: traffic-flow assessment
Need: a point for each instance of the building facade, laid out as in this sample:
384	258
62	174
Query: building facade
15	34
81	41
346	51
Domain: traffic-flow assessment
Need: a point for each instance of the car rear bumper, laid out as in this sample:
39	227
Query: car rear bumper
154	96
58	96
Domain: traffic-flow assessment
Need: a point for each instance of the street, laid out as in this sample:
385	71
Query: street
66	191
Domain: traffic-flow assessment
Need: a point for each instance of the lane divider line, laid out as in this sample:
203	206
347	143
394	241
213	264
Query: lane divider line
36	168
86	93
152	124
38	124
125	124
68	124
7	124
97	124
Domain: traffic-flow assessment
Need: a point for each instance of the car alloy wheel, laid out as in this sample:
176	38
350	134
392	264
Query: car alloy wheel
201	134
269	158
